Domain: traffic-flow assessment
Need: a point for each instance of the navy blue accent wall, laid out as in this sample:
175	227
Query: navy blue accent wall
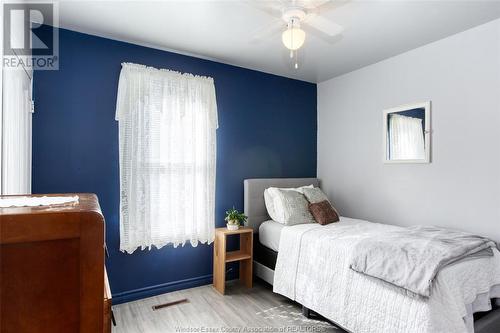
267	128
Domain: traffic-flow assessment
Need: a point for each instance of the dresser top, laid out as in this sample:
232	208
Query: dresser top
87	202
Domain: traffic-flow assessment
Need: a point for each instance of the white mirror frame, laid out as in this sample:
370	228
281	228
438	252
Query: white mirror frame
427	131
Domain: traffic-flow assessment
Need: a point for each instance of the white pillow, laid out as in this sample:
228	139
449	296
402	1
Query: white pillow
271	194
288	205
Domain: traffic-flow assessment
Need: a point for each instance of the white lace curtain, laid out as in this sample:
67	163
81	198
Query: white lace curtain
15	132
167	139
406	138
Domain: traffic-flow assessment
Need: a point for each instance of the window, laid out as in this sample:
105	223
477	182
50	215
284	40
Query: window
167	141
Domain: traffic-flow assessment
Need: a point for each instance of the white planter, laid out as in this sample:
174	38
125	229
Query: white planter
232	226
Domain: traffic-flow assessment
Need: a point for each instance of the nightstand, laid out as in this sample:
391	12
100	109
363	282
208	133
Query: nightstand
244	255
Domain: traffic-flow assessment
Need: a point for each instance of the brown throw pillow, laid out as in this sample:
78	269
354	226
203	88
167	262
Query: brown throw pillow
323	212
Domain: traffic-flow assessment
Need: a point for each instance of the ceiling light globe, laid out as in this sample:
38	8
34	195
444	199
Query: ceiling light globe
293	38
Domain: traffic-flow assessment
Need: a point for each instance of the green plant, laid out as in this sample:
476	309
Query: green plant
233	215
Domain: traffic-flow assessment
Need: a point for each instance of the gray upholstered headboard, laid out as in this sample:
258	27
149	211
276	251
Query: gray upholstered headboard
255	208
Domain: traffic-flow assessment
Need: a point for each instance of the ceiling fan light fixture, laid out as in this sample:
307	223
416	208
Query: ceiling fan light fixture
293	38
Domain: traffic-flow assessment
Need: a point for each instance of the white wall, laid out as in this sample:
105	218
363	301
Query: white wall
461	187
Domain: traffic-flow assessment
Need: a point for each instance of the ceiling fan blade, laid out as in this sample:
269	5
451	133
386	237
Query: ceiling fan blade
321	35
268	30
313	4
322	24
330	5
270	7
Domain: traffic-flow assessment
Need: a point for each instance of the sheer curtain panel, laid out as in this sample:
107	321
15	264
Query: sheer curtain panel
167	141
16	131
406	138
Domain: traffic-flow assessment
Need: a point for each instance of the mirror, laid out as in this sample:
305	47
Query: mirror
407	133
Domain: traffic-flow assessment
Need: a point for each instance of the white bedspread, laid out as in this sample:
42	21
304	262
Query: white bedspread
313	269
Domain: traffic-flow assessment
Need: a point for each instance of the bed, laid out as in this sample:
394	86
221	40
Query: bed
353	301
255	208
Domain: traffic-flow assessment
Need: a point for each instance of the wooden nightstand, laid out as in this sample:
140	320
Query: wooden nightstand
244	255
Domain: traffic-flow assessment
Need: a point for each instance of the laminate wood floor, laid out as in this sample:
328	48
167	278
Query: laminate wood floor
240	310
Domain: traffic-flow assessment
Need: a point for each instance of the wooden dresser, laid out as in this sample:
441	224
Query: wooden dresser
52	274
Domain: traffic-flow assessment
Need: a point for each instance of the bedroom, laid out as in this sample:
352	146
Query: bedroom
237	97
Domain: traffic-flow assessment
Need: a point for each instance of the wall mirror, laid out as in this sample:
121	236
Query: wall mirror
406	133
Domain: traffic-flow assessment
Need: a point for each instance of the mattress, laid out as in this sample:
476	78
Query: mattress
270	233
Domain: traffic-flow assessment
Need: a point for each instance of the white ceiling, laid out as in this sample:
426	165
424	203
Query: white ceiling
225	30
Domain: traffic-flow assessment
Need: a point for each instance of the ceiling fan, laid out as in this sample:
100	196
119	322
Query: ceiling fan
290	16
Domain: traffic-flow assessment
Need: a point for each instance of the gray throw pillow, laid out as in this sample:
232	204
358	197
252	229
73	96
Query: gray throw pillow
292	208
271	195
315	195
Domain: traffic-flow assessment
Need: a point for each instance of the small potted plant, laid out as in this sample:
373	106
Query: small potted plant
234	218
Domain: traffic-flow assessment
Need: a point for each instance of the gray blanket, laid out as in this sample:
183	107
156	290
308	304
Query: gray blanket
412	257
